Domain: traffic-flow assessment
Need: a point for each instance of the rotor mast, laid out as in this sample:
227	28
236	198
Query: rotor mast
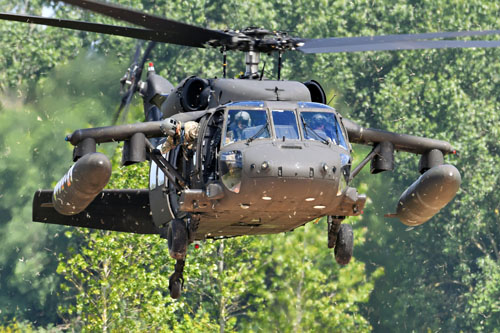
252	59
254	41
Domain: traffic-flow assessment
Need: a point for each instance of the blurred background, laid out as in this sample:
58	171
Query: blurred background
441	276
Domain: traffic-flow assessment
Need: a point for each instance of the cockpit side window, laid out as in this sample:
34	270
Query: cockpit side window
340	137
285	124
246	124
317	125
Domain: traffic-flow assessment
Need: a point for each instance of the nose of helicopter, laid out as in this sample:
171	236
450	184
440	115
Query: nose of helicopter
286	174
292	160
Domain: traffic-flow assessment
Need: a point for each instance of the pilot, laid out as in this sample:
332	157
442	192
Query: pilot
241	121
319	123
323	127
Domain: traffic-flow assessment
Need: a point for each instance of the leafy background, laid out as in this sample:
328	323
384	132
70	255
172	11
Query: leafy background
441	276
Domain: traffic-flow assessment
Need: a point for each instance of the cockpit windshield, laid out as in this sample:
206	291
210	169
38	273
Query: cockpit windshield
246	124
285	124
322	126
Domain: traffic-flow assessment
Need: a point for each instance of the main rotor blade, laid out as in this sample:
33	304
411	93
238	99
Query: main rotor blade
418	45
397	42
124	105
145	56
176	32
127	97
90	27
137	53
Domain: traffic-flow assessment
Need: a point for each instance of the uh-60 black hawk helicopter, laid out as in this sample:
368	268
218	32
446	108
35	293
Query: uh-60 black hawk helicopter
232	157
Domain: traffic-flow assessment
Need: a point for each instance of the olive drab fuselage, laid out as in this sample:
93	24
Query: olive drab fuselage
272	183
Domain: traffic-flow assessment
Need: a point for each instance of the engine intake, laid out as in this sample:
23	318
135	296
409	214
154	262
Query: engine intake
317	93
195	94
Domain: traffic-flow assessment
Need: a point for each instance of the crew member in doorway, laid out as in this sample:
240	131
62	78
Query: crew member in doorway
189	132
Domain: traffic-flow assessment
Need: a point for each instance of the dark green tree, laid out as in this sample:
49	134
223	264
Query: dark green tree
442	275
34	155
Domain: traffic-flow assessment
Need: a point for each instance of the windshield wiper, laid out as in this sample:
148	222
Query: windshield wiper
259	132
306	126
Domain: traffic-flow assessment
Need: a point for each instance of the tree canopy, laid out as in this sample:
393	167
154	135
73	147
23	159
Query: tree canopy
443	275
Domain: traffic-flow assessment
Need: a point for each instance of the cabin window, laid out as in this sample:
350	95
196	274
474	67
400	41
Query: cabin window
153	172
161	177
322	126
246	124
285	124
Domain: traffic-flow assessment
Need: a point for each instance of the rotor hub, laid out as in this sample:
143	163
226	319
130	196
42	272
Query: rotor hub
258	40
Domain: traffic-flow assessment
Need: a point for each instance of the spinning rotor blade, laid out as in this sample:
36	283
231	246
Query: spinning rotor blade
398	42
150	48
164	30
127	98
108	29
172	31
137	53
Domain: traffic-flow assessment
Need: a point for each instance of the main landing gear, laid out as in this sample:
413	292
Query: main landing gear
340	237
177	238
179	233
176	281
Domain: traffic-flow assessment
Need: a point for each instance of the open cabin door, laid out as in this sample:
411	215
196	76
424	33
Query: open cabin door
208	148
158	194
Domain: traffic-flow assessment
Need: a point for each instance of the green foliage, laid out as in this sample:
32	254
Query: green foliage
445	94
34	155
120	283
439	276
25	326
15	327
484	299
301	288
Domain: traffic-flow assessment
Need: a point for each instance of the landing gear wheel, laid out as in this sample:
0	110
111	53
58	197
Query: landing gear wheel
177	238
175	289
344	244
333	229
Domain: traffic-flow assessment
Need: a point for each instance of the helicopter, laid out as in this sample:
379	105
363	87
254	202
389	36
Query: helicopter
232	157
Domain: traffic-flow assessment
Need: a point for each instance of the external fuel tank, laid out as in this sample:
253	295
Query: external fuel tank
81	184
427	195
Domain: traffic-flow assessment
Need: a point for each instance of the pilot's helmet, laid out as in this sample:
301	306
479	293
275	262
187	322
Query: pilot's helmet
319	120
244	118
